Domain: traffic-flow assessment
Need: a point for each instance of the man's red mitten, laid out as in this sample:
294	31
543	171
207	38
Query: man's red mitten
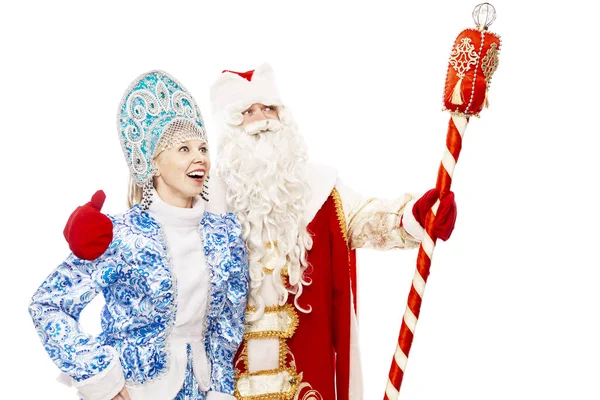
88	231
445	218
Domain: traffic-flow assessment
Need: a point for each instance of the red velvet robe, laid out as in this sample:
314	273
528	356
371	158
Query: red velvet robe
320	346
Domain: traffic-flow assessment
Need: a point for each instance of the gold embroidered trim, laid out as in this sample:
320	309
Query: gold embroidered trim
285	378
283	383
283	352
339	210
311	394
462	56
270	309
277	322
489	63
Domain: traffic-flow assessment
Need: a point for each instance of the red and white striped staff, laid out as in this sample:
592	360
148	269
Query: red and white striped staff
473	60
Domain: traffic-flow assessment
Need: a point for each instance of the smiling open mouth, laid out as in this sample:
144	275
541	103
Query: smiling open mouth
196	175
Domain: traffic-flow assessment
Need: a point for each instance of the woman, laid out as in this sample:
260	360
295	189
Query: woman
174	276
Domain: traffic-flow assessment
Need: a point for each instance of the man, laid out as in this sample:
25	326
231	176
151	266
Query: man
301	225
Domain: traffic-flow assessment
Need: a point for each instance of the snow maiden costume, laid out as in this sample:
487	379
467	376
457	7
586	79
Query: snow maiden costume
175	280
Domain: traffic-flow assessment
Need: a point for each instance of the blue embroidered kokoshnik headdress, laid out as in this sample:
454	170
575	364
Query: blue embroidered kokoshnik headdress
155	113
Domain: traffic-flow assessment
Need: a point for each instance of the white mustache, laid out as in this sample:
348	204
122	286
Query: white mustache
265	125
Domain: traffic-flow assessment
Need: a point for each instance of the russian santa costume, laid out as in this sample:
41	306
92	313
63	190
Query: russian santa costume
307	346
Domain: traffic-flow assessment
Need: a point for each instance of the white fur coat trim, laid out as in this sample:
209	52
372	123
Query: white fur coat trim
321	179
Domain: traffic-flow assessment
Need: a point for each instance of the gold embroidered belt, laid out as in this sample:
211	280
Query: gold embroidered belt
277	322
276	384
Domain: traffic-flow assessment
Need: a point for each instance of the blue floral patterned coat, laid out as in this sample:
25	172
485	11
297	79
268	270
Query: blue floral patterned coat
140	291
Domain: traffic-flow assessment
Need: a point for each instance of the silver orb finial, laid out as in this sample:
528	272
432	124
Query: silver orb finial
484	15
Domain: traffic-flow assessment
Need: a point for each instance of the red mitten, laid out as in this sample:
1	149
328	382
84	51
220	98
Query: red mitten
88	231
445	218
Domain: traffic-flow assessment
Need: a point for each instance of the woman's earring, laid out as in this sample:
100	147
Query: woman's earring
147	195
154	169
204	193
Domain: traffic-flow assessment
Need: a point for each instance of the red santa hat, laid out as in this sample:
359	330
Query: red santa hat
234	92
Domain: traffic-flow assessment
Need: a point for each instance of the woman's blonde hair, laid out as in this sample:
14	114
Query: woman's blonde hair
134	193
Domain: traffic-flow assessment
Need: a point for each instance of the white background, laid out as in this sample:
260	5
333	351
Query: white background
511	307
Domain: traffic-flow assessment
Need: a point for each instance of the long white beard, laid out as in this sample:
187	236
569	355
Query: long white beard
266	188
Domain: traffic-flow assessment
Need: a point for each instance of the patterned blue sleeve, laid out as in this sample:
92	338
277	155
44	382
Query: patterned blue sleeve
55	308
227	329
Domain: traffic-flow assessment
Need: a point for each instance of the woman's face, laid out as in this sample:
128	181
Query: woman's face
182	170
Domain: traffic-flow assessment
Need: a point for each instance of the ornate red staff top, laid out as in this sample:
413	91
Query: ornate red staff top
473	60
